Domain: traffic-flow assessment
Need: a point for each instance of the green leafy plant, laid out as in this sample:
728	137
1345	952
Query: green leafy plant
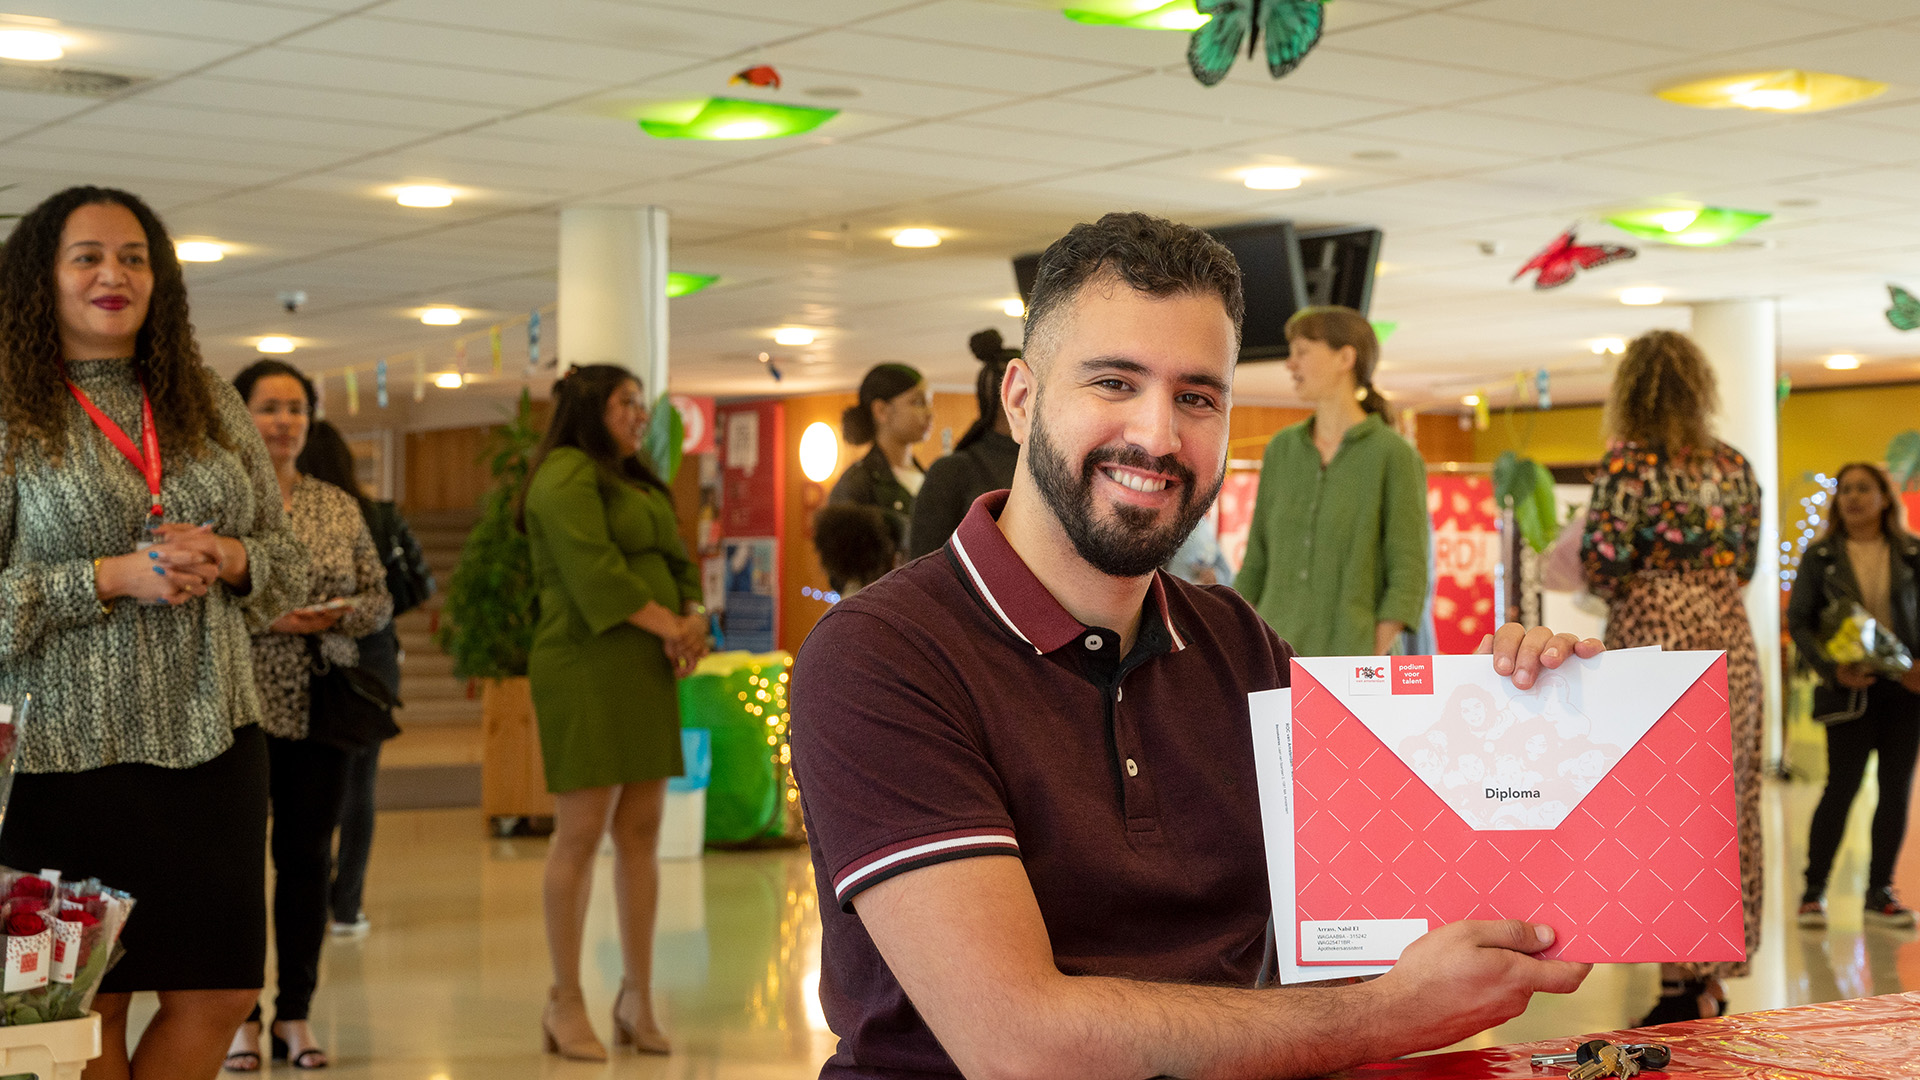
663	439
487	623
1903	460
1527	487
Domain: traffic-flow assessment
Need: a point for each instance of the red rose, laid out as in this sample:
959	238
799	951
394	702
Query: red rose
76	915
25	924
25	905
30	885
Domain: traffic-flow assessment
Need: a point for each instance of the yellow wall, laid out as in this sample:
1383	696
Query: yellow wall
1819	431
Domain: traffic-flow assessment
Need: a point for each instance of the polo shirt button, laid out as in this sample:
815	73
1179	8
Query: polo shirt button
1132	769
1094	641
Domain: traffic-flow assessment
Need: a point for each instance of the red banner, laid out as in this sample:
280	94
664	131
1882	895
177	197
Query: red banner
1466	549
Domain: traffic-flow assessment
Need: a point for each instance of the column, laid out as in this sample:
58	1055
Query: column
1740	338
613	290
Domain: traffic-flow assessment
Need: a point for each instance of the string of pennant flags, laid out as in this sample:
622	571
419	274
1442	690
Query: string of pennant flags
527	342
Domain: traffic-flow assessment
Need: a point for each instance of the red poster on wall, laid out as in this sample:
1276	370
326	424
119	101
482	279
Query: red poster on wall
1235	507
1466	549
750	439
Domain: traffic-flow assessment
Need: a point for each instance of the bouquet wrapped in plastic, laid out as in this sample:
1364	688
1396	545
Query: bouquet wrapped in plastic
60	937
1857	637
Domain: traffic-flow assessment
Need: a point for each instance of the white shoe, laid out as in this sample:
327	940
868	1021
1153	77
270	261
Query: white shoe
351	929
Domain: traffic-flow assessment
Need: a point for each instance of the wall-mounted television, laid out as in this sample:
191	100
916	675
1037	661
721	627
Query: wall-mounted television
1282	270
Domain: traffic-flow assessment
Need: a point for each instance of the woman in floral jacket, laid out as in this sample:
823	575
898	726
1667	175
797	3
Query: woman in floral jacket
1671	537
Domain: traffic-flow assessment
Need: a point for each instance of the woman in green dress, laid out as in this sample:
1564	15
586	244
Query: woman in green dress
619	618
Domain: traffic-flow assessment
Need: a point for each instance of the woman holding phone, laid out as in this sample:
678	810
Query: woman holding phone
347	599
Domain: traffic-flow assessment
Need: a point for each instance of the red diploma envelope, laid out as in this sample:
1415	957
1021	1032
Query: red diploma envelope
1426	790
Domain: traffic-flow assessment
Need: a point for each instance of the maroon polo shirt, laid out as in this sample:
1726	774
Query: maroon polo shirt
955	710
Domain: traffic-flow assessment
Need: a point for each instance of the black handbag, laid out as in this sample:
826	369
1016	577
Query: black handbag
349	707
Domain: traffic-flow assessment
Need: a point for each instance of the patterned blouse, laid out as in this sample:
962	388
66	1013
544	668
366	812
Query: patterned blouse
345	566
161	685
1652	513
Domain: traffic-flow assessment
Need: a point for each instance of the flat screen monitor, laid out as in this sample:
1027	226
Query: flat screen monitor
1339	265
1276	280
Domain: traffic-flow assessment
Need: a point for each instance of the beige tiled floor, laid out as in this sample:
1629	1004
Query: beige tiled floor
450	982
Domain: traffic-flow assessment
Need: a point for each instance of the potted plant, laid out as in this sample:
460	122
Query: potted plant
487	628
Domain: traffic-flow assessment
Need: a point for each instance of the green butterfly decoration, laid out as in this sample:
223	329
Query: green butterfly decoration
1292	28
1905	312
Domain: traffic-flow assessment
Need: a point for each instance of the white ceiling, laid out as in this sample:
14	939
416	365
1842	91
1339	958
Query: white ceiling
280	128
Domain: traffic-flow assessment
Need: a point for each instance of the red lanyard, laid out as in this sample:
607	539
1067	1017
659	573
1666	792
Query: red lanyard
145	457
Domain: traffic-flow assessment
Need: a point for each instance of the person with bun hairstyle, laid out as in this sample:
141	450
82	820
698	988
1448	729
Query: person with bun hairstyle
1670	542
983	460
1337	551
141	539
619	619
895	411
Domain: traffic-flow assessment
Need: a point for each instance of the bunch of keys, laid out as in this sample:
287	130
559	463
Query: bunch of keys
1599	1058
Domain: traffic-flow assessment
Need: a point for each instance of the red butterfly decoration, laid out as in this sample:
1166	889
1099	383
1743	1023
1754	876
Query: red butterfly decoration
763	75
1560	260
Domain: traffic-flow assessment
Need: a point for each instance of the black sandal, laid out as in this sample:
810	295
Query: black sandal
244	1061
307	1060
1679	1002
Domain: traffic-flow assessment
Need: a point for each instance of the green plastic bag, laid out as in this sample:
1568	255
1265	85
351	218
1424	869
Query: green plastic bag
742	699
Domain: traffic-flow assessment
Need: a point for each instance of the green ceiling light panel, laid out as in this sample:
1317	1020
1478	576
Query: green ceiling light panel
1689	226
1138	14
726	119
679	284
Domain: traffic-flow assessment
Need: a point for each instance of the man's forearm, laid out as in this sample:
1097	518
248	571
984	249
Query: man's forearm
1099	1027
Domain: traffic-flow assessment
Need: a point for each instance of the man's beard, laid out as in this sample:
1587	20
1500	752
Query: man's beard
1128	544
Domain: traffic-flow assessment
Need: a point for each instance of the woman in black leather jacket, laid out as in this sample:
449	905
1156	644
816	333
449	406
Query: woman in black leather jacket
1866	556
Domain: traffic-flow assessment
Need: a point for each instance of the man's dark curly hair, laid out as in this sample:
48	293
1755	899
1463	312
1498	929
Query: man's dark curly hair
1150	254
33	392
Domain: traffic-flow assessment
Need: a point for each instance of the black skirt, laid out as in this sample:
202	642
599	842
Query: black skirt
189	844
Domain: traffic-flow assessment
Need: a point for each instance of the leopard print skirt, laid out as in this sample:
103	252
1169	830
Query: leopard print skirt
1703	609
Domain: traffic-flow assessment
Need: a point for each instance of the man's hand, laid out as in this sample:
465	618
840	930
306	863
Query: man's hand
1521	653
307	621
1464	978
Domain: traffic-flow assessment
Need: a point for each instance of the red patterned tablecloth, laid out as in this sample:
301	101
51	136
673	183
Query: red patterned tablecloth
1876	1038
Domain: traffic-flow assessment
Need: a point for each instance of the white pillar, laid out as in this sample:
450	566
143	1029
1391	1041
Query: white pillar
613	289
1740	338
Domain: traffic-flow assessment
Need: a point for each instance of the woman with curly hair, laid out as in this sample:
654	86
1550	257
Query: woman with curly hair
141	539
1671	539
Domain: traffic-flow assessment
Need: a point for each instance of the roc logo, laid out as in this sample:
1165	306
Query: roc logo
1371	678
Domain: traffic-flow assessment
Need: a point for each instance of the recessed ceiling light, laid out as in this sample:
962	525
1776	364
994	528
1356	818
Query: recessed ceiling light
1642	296
793	335
441	316
1274	179
448	380
1799	203
843	93
198	251
425	196
274	344
1376	155
1785	90
35	45
1015	308
916	238
1607	346
1842	362
1470	400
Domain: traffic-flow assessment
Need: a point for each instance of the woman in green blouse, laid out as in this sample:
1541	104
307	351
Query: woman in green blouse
619	618
1337	552
141	538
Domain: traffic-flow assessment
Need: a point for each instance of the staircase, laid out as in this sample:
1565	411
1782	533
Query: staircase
436	759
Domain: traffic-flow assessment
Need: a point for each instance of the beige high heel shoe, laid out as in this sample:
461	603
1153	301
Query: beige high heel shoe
565	1029
633	1028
